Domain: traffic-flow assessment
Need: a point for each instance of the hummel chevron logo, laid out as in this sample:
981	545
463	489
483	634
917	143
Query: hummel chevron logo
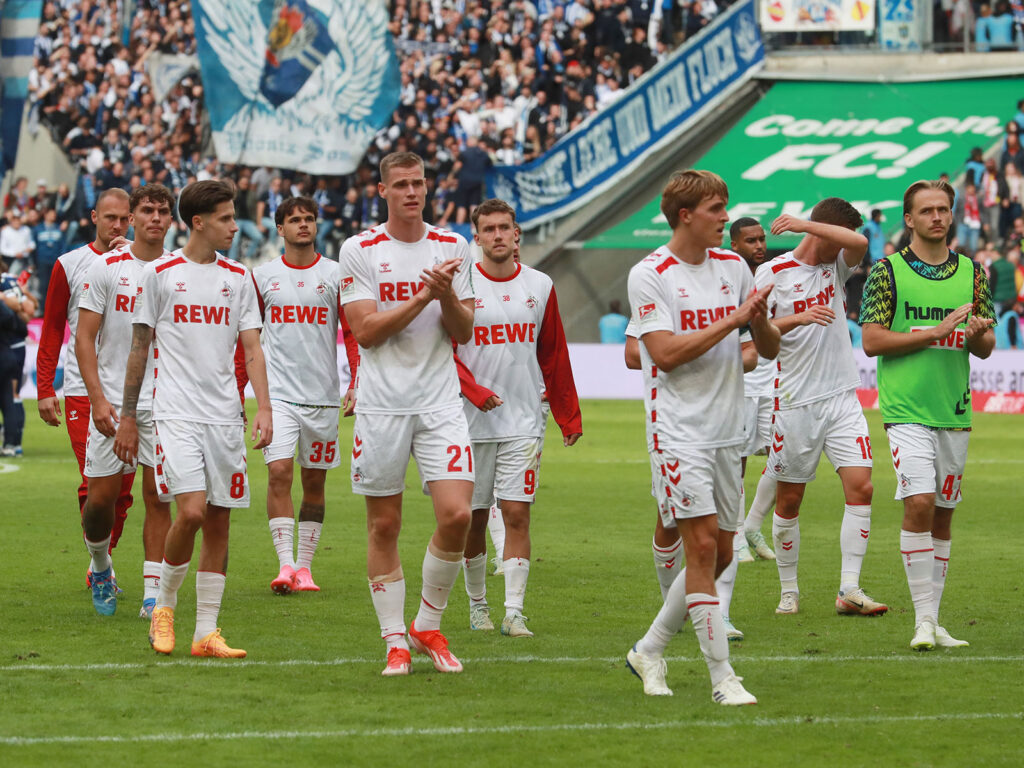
864	534
777	441
357	450
674	479
896	457
672	465
787	545
671	563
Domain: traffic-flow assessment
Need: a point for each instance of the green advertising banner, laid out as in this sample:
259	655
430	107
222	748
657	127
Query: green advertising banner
865	142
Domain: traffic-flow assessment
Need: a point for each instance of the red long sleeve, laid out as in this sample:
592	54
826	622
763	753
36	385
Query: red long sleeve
471	390
55	320
553	356
351	347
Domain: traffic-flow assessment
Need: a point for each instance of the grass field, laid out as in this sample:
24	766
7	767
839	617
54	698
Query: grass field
84	690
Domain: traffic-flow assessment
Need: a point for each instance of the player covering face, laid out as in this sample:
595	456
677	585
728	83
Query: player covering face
105	312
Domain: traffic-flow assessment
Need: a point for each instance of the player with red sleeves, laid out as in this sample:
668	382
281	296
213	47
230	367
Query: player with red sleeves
518	350
407	291
194	307
298	296
66	283
690	299
102	343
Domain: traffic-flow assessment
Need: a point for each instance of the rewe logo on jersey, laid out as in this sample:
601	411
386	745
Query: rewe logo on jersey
400	291
299	314
823	298
199	313
698	319
504	333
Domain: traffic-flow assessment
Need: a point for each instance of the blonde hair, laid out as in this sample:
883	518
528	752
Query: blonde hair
399	160
918	186
687	189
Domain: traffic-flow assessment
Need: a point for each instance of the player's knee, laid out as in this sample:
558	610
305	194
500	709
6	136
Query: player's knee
455	518
384	528
192	517
279	475
313	482
861	492
703	550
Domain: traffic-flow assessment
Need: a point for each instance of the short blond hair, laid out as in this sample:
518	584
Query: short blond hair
399	160
687	189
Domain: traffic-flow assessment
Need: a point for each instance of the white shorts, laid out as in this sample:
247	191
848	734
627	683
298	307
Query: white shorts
203	457
757	425
314	429
836	426
697	482
508	470
928	460
382	444
100	459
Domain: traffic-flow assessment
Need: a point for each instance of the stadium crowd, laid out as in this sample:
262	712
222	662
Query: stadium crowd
482	82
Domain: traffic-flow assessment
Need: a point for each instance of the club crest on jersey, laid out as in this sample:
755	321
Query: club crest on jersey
180	287
347	284
124	280
780	467
826	273
531	301
225	290
479	303
385	266
321	287
647	310
275	285
726	286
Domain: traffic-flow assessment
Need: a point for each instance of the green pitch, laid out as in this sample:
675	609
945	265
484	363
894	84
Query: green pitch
80	689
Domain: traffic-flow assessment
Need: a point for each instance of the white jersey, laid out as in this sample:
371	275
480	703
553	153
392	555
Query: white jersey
110	291
815	362
698	404
76	265
646	369
196	311
300	330
412	371
760	382
518	347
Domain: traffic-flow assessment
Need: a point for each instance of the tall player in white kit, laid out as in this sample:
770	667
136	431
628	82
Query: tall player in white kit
518	350
407	292
815	398
198	306
298	295
105	314
690	300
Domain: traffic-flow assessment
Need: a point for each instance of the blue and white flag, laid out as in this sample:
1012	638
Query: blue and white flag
19	25
301	84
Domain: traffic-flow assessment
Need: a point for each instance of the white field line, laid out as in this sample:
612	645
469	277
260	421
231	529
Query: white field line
930	658
756	722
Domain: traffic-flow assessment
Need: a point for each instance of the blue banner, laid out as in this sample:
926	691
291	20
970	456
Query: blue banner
654	111
300	84
19	25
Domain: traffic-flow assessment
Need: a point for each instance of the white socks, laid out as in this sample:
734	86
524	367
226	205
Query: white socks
786	534
438	579
209	593
309	538
853	544
668	622
726	583
706	617
100	555
918	563
668	562
764	500
517	570
389	603
475	574
281	530
942	547
496	527
171	578
151	579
